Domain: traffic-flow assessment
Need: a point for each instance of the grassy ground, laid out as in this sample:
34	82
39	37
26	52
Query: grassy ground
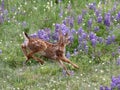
39	14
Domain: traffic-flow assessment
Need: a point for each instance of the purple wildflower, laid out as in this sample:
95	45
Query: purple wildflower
73	31
110	39
99	19
97	12
84	35
90	22
64	72
24	24
75	52
107	19
84	12
61	12
118	61
79	19
100	39
68	54
69	7
115	82
80	31
2	6
34	35
80	39
92	36
43	35
71	22
64	22
64	29
118	16
92	6
96	28
93	41
1	19
101	88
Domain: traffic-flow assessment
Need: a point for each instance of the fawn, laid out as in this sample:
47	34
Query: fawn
49	50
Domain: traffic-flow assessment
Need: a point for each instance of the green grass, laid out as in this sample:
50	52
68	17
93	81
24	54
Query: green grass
33	76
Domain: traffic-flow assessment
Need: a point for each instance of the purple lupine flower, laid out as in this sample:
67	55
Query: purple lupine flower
97	12
92	36
71	37
41	34
1	19
92	6
69	7
99	19
118	61
94	42
107	19
107	88
5	12
68	54
90	22
55	36
101	88
84	43
80	31
24	24
114	7
79	19
34	35
64	22
96	28
64	29
71	22
80	39
73	31
2	6
72	73
118	16
75	52
57	27
64	73
100	39
113	38
108	41
84	35
86	49
113	54
115	82
61	12
84	12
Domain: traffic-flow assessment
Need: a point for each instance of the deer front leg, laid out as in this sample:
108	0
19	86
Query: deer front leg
61	63
68	61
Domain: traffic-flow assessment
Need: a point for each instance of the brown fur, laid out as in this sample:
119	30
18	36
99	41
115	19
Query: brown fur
53	51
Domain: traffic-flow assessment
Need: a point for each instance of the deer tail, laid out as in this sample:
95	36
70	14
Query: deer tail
26	35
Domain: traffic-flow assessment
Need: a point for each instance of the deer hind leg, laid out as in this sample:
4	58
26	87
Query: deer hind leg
68	61
30	55
24	49
64	67
38	59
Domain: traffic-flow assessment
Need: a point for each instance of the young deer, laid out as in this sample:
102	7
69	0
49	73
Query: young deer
49	50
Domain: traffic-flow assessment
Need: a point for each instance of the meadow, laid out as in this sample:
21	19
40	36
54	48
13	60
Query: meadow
94	33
